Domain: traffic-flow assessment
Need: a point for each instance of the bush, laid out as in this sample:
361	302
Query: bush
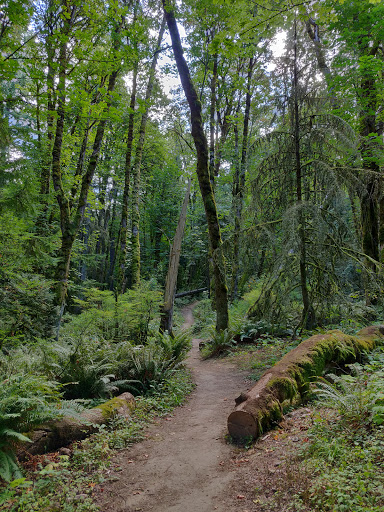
358	398
84	368
144	368
26	309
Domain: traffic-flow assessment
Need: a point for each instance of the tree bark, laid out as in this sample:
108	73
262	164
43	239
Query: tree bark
372	233
212	121
313	32
173	267
123	232
200	140
121	283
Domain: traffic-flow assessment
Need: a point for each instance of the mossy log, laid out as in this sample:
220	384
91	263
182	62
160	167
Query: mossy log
289	379
64	431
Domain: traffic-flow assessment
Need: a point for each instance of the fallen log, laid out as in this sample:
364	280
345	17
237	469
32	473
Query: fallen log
64	431
190	292
259	408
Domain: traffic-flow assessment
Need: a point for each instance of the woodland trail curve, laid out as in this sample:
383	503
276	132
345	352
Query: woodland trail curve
184	464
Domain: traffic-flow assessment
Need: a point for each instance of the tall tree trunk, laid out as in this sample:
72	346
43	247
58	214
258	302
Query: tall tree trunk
173	268
200	140
238	188
112	240
65	219
46	152
136	170
212	121
123	231
369	197
313	31
123	234
46	170
308	316
80	162
72	226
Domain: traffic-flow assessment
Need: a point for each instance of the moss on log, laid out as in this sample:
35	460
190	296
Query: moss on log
64	431
289	379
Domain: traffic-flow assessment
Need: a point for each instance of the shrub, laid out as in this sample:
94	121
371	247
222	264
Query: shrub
85	369
359	397
27	311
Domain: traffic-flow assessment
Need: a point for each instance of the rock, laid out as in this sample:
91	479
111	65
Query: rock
65	451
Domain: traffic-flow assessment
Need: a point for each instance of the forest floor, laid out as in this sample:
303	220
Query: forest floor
185	464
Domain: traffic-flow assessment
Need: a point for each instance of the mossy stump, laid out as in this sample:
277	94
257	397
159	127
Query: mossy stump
259	408
64	431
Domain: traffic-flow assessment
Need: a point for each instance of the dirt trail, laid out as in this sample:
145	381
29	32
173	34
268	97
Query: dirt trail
184	465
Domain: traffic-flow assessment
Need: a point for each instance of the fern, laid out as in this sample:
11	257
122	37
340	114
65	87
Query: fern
145	368
25	402
359	398
220	343
175	348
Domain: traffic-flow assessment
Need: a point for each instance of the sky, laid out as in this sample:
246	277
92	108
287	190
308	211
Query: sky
170	81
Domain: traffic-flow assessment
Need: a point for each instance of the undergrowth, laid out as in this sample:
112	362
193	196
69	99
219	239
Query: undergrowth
341	467
61	483
258	357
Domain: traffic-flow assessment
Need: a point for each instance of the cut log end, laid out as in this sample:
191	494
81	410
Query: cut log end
242	425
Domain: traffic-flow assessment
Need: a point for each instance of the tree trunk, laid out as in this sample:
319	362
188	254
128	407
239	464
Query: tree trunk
308	317
212	121
369	197
238	188
313	32
136	170
123	232
66	238
127	179
173	268
372	234
206	190
46	168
